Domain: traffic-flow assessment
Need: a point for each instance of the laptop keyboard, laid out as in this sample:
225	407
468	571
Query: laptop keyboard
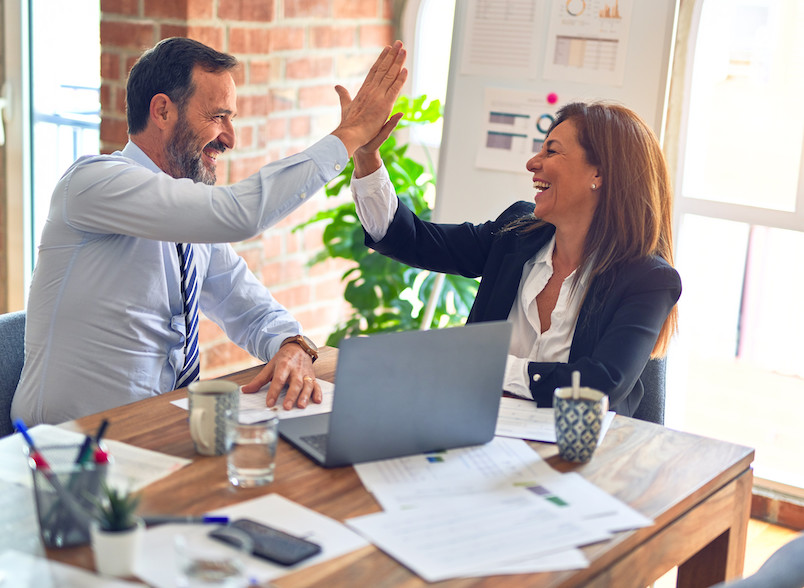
317	442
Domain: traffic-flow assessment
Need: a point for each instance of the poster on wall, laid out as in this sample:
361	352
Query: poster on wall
588	41
500	38
515	126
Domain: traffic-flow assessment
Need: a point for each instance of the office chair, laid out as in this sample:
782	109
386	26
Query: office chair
12	355
783	569
653	379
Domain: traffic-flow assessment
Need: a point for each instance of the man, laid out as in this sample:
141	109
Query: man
136	243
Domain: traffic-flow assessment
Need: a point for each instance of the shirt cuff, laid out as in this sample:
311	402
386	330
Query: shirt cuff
516	377
375	202
330	156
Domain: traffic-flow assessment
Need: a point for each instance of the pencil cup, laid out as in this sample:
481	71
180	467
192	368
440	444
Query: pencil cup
65	493
578	422
211	403
250	461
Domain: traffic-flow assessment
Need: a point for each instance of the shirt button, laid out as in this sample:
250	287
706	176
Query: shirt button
337	167
303	195
537	377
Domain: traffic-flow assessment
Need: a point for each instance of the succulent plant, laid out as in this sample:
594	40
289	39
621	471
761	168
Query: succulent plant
115	509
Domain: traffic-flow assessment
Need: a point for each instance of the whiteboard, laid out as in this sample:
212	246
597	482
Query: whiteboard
524	59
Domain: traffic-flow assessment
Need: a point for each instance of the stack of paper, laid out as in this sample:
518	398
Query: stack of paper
491	509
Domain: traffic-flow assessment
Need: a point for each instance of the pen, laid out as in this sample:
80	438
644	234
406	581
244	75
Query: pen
205	519
35	455
100	455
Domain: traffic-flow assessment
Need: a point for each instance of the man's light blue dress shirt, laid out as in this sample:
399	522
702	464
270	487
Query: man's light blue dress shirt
105	323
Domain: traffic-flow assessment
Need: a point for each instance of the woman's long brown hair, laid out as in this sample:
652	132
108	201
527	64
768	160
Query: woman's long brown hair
634	214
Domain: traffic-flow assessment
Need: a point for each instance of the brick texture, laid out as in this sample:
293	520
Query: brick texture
292	53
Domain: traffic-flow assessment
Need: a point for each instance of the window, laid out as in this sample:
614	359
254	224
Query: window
65	94
737	369
428	24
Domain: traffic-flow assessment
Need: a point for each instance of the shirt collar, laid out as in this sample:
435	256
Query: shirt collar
545	254
133	152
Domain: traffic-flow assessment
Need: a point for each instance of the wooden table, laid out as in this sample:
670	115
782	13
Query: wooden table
697	490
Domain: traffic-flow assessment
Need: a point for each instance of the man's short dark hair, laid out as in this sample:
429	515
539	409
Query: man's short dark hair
167	68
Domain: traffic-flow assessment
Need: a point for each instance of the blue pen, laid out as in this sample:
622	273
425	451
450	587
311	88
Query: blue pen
23	430
205	519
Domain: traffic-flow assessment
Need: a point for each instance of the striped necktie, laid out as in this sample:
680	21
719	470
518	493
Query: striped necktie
189	292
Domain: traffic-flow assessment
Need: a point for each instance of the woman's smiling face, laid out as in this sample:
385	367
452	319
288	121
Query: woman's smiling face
564	179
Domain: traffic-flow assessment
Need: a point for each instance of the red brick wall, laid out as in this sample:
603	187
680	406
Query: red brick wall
292	52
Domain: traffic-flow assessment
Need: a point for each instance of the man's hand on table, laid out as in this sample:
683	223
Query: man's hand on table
293	367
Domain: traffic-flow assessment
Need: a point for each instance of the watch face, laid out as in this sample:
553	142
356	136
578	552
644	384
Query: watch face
309	342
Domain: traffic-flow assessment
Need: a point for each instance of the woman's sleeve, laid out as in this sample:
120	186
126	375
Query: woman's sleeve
446	248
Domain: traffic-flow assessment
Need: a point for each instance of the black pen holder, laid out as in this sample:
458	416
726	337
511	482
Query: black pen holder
66	494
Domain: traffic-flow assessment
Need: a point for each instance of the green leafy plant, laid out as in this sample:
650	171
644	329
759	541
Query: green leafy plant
115	509
386	295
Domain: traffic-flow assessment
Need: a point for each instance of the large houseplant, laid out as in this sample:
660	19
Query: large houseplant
386	295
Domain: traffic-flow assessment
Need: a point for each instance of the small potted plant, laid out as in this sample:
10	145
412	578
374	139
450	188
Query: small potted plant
117	532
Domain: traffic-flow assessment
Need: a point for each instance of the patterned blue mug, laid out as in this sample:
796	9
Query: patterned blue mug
579	420
211	405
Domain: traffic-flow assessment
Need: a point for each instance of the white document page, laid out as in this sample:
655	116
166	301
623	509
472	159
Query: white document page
253	409
23	569
500	464
473	534
522	419
158	565
130	467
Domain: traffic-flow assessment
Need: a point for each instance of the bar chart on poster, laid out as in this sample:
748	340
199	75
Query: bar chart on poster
514	63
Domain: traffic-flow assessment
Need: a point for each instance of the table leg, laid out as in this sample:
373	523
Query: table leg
723	558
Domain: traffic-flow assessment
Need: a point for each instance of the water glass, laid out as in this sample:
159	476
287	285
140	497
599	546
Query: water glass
204	562
252	451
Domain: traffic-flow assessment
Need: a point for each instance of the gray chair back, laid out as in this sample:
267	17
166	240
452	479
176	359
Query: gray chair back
783	569
12	355
651	408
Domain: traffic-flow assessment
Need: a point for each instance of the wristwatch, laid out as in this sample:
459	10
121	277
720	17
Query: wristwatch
305	343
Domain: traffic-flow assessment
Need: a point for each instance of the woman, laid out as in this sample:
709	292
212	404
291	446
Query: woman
584	273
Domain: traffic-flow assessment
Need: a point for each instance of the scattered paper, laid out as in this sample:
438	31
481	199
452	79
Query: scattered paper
502	463
253	408
158	567
131	467
474	534
23	569
522	419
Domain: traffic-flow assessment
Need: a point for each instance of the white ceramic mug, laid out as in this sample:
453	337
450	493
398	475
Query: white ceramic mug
211	404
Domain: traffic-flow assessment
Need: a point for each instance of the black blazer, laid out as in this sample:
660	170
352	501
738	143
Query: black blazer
616	330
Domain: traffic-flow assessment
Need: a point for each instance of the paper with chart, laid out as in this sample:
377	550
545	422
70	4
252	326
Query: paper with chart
253	408
474	534
501	464
588	41
522	419
515	125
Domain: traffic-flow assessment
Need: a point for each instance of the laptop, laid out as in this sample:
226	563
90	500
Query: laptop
405	393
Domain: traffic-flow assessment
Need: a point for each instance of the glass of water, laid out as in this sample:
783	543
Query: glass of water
252	452
204	562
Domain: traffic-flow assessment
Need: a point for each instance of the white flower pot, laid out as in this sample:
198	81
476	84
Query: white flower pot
116	552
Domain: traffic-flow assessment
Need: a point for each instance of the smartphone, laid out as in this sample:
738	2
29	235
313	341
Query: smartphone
269	543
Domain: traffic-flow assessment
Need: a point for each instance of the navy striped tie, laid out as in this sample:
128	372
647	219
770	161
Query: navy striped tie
189	292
